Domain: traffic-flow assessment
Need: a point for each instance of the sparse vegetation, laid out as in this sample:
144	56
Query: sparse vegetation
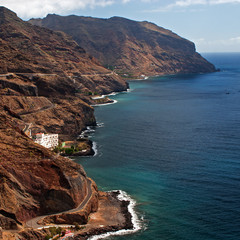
77	227
55	231
72	147
47	237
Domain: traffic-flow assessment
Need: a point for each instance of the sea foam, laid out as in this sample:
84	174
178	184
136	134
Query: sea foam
137	223
94	147
104	104
107	95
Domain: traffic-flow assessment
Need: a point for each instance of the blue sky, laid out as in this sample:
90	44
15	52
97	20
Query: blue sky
213	25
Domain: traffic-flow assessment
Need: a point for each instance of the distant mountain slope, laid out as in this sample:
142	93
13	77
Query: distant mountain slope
25	48
130	47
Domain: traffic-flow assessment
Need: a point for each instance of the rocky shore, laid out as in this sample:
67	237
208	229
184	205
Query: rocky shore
112	216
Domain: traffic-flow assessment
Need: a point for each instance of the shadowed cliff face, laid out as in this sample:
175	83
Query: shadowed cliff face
132	48
34	181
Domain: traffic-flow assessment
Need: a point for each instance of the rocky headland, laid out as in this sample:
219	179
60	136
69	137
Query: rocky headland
132	49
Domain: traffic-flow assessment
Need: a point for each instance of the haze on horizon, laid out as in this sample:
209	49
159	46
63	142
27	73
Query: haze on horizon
211	24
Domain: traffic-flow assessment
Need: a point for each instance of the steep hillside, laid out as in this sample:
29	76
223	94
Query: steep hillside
131	48
46	81
34	181
29	49
37	62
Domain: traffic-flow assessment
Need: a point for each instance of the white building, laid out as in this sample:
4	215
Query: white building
46	140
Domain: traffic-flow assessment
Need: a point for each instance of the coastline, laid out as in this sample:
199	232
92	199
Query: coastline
105	97
109	223
115	216
132	223
104	104
91	129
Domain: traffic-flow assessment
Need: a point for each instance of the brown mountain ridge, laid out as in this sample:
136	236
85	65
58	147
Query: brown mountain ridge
131	48
45	70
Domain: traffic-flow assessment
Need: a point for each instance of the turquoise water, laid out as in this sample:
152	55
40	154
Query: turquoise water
172	143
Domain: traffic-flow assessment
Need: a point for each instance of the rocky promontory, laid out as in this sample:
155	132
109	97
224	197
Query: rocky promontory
132	49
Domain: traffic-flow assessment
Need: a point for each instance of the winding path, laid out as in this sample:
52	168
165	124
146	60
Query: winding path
98	74
33	223
38	110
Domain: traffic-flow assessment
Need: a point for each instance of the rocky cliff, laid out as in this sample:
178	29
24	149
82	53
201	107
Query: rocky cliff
46	78
131	48
33	180
45	83
25	48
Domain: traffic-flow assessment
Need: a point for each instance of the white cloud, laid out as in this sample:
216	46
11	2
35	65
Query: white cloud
179	5
186	3
217	45
228	41
40	8
235	39
183	4
223	1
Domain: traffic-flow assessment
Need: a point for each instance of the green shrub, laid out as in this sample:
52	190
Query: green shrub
77	227
47	237
69	151
59	230
53	231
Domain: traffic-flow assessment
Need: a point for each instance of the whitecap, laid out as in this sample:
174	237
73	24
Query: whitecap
94	147
90	129
99	125
87	131
104	104
98	97
113	94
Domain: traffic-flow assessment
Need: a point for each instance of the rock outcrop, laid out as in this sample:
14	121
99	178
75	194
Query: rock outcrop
67	117
78	216
131	48
33	180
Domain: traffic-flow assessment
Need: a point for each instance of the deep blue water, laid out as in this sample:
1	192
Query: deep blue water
173	144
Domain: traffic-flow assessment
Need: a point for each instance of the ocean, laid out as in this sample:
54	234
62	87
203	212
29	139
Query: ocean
172	143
